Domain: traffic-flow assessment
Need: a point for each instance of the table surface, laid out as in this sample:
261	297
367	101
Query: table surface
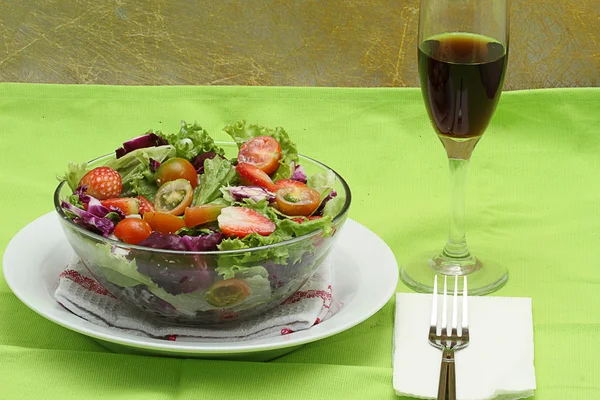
533	202
366	43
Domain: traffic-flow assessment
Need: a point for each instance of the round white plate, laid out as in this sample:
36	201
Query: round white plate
365	275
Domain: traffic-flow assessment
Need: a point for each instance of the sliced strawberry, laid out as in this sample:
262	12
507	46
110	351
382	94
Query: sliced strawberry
145	205
102	183
288	182
252	175
242	221
128	205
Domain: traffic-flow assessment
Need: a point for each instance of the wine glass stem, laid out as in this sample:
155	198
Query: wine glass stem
456	245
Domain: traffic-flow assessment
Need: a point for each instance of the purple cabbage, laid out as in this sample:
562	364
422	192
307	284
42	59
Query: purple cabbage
170	241
256	193
94	206
89	220
140	142
319	210
299	174
154	165
198	161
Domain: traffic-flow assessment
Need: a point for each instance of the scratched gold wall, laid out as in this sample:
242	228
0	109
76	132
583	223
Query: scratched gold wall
367	43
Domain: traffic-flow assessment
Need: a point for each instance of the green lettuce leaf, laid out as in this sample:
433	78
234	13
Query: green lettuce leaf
191	140
134	169
218	172
334	206
241	133
323	182
117	269
287	227
74	174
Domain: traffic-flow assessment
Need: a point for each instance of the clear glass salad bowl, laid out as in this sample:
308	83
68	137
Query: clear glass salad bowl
185	287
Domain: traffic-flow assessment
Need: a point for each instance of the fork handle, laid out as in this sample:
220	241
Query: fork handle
447	385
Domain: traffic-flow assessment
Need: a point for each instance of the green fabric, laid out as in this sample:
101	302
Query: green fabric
533	201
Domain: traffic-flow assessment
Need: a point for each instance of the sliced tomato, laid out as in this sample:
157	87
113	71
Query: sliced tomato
199	215
163	222
264	152
174	196
228	292
132	230
176	168
295	200
287	183
145	205
251	175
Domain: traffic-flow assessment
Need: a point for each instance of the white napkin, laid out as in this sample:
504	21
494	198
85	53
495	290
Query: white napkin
497	364
79	292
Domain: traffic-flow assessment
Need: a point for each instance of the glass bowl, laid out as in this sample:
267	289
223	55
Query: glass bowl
186	288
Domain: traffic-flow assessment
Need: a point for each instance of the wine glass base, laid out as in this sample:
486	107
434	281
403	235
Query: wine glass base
488	277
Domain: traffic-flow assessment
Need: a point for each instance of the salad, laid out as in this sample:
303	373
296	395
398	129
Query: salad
180	191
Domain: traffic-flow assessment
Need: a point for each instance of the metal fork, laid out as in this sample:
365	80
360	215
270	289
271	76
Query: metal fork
448	342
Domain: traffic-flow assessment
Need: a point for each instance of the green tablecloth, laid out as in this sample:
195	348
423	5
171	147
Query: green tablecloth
533	201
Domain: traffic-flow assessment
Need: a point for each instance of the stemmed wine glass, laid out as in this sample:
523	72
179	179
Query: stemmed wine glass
462	55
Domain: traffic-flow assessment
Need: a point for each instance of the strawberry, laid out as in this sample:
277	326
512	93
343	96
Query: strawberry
145	205
252	175
128	205
102	183
242	221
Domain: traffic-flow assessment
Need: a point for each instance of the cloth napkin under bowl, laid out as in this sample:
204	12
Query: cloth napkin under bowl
497	364
79	292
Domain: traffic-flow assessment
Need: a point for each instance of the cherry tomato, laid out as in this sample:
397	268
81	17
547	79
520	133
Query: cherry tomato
228	293
296	200
163	222
132	230
264	152
199	215
176	168
174	196
288	182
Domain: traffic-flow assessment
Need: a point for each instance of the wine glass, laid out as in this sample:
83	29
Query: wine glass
462	55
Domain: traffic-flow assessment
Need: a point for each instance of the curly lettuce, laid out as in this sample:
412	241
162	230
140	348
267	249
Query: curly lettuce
191	140
241	133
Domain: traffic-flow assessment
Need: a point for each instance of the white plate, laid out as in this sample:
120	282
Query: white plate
365	275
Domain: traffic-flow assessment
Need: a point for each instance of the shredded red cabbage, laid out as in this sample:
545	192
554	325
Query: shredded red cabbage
299	174
170	241
256	193
198	161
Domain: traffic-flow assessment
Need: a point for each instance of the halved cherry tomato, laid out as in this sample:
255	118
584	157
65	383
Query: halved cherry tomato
251	175
199	215
264	152
176	168
287	183
295	200
174	196
163	222
228	293
132	230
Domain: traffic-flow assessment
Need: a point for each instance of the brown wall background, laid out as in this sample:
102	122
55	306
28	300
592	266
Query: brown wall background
370	43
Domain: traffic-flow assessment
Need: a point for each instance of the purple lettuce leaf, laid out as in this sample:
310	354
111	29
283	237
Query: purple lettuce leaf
154	165
198	161
140	142
256	193
299	174
170	241
90	221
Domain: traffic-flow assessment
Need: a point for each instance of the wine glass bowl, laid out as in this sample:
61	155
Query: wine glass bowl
462	58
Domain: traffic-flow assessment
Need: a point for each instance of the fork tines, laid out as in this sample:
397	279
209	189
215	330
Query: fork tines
446	333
